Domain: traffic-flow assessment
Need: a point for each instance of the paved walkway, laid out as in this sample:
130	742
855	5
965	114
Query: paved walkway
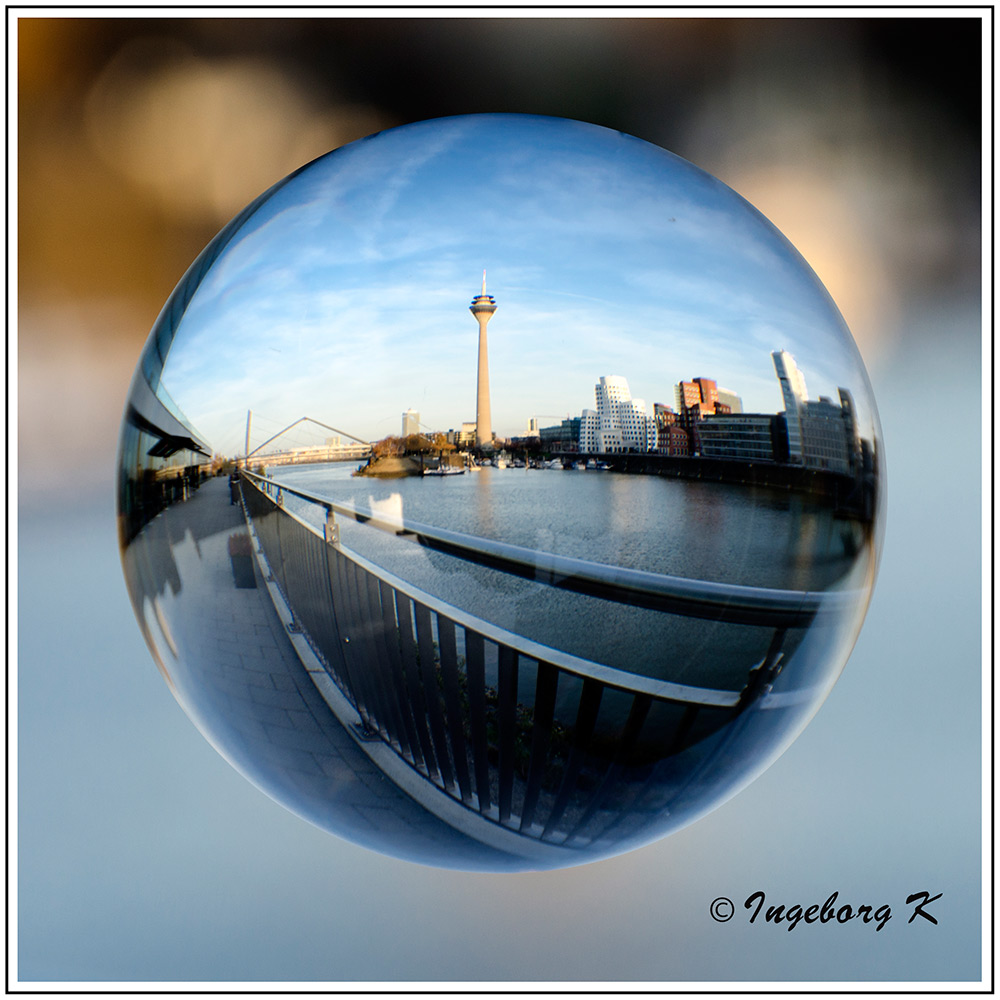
235	671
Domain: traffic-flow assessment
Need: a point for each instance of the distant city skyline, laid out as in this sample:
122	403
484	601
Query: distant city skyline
342	297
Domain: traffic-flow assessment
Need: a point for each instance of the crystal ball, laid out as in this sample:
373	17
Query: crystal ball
500	492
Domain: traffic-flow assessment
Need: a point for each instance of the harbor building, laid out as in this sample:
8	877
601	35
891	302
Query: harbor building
623	424
727	397
794	395
821	434
483	307
411	423
745	437
687	395
698	399
824	440
564	436
590	424
466	434
673	440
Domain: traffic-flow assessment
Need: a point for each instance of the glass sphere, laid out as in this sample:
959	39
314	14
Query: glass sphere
500	492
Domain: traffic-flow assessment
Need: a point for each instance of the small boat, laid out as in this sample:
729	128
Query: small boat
445	470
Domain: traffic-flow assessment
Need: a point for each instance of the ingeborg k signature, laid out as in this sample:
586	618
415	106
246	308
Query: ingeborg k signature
722	910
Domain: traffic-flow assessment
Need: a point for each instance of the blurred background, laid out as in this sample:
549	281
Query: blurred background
141	855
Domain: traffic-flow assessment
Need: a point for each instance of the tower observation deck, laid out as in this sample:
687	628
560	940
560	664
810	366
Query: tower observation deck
483	307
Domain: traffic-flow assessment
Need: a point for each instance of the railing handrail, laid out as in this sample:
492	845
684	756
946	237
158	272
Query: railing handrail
694	598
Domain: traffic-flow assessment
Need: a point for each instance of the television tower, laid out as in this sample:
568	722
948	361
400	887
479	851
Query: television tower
483	307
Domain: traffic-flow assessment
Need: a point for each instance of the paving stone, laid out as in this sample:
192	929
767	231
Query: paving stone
286	737
271	696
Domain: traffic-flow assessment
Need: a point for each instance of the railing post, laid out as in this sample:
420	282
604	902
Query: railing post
331	530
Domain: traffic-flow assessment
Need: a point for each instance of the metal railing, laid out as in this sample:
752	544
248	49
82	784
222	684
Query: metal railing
554	746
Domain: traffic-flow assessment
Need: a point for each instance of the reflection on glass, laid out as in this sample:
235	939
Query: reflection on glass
613	559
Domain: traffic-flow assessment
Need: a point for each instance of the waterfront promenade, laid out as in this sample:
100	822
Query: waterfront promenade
233	665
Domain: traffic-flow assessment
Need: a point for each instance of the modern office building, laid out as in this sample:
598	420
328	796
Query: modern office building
411	423
687	395
746	437
564	436
467	434
590	424
821	434
483	307
824	436
623	424
794	395
851	434
709	394
729	398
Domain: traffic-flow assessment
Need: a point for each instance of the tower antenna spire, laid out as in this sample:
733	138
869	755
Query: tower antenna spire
484	281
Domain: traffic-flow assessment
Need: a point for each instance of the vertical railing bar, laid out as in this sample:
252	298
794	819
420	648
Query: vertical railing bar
344	626
368	651
507	724
354	645
407	644
395	667
335	654
476	673
295	554
425	641
630	733
278	565
546	682
453	704
586	719
372	608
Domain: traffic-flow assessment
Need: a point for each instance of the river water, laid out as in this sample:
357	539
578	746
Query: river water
754	536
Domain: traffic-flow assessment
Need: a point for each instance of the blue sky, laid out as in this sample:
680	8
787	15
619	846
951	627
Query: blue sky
345	297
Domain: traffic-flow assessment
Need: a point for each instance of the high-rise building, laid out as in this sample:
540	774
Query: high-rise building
821	434
795	395
483	307
411	423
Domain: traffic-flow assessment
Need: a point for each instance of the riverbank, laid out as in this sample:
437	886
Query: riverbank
851	496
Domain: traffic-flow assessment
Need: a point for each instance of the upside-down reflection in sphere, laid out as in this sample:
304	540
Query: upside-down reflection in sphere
500	640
